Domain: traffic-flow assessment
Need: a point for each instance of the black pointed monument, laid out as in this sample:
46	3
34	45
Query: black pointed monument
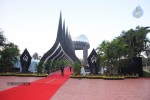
25	60
93	61
62	48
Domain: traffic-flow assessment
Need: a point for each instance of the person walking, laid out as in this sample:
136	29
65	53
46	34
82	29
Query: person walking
62	70
70	68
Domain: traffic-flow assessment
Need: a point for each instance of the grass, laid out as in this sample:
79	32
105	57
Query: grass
146	73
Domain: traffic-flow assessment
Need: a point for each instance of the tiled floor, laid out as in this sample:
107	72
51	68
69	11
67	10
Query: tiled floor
5	79
98	89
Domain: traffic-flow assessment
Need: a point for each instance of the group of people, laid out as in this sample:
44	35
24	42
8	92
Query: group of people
62	70
82	72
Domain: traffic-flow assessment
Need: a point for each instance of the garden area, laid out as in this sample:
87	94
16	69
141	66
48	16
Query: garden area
10	54
78	75
123	56
146	73
41	71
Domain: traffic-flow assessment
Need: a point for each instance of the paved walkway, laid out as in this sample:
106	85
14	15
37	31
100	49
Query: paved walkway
98	89
42	89
93	89
5	79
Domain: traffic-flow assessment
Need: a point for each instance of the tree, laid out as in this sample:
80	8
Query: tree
39	57
129	44
2	38
77	67
135	38
35	56
9	53
9	56
40	67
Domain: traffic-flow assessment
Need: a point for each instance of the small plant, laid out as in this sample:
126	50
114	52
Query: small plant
40	67
77	68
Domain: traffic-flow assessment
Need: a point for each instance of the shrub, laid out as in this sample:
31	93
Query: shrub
23	74
77	68
40	67
146	74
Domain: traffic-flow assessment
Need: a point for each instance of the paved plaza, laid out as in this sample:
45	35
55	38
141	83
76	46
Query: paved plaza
92	89
99	89
4	80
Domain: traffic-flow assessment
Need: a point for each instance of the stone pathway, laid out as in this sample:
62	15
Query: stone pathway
98	89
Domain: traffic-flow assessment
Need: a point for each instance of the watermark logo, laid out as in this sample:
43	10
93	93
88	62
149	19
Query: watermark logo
138	12
18	83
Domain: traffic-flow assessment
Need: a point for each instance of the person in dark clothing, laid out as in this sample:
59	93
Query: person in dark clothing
70	68
62	70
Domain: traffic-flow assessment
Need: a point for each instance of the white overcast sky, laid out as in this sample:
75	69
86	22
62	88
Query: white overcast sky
33	24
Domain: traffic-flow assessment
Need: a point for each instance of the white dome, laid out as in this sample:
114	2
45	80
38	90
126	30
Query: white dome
82	38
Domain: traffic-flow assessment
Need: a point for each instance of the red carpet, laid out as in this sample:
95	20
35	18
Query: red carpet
42	89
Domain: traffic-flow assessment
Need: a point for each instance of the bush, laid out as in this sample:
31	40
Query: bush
146	73
40	67
116	77
77	68
23	74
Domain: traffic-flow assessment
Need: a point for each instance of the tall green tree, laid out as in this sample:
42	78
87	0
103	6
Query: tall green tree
136	38
9	56
129	44
2	38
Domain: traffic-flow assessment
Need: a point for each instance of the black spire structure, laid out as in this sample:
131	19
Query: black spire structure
25	60
94	61
63	48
